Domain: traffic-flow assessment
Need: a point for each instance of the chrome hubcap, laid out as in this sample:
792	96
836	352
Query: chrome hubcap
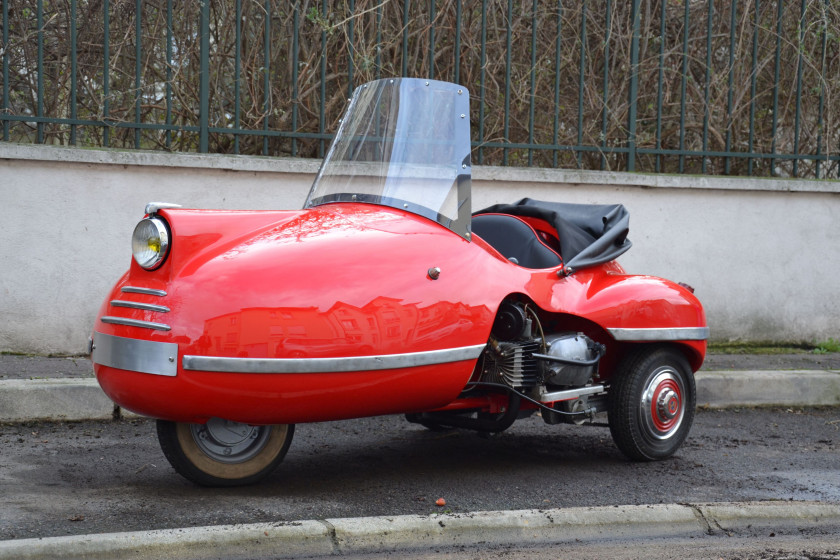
229	442
668	404
663	407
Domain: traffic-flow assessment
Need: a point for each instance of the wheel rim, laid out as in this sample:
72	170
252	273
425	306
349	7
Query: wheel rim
229	442
663	403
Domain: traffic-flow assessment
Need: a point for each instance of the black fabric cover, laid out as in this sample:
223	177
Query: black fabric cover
515	239
589	234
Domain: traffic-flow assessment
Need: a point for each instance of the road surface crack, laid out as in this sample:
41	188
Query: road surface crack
332	534
710	526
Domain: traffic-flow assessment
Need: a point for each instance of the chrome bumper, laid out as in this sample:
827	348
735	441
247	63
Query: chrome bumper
145	356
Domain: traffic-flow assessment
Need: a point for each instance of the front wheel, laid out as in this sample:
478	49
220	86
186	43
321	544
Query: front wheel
224	453
652	404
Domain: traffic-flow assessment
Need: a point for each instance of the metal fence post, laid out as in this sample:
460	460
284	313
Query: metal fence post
106	72
404	52
138	70
40	79
683	80
821	110
606	110
800	46
776	75
5	69
73	72
267	74
634	89
204	84
753	78
169	41
556	125
506	151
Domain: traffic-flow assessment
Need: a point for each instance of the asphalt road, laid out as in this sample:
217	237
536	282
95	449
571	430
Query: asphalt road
80	478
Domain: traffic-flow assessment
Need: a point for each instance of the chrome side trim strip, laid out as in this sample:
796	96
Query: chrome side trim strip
135	323
681	333
571	394
145	356
323	365
147	291
137	305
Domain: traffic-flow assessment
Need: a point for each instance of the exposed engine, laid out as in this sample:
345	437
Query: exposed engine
522	356
553	371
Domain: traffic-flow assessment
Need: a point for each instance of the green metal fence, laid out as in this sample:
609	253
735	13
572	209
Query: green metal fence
742	87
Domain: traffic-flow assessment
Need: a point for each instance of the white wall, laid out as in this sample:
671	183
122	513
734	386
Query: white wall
764	255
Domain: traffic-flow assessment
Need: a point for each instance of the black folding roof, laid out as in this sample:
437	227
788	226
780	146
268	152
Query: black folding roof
589	234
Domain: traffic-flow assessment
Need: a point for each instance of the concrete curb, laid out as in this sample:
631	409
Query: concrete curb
721	389
81	399
409	532
22	400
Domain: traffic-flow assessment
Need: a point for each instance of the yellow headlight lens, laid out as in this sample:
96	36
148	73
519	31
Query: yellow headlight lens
150	243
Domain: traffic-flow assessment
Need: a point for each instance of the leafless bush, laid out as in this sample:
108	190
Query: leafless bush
704	94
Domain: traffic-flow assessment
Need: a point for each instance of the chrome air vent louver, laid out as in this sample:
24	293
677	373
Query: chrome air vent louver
118	303
137	305
135	323
147	291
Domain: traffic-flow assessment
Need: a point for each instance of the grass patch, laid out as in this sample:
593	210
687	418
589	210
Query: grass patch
756	348
827	346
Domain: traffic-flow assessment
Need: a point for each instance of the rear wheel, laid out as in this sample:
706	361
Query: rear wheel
224	453
652	404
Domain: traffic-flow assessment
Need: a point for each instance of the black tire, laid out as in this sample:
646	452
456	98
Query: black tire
652	403
223	453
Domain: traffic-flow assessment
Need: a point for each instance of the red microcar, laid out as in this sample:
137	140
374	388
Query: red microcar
387	294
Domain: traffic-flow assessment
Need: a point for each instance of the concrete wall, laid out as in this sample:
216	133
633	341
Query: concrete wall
764	255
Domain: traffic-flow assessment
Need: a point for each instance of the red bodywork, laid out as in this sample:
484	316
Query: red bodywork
350	279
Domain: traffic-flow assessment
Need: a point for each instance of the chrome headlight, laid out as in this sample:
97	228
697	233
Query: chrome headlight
150	242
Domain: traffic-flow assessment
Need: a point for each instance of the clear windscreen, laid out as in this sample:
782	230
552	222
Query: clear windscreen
403	143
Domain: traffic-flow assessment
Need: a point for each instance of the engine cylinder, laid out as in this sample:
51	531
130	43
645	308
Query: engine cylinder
513	365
